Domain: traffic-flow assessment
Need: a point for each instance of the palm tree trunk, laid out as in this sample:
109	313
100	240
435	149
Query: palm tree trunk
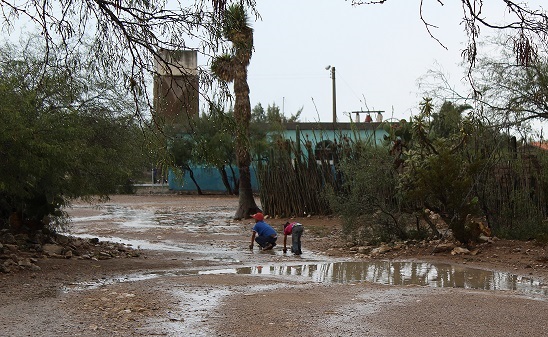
242	114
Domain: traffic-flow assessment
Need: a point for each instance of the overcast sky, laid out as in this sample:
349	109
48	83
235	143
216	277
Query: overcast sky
379	52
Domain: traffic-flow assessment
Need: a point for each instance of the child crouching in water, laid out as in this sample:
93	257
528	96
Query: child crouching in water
294	229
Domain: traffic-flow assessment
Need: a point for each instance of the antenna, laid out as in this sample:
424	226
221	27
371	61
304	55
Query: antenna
315	107
365	102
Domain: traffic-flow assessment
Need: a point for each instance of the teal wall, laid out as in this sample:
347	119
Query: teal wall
207	178
318	134
210	180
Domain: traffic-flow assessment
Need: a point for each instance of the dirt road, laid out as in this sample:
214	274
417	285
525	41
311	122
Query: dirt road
194	276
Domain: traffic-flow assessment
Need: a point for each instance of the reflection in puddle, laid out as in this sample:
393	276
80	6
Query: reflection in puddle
215	221
398	273
382	272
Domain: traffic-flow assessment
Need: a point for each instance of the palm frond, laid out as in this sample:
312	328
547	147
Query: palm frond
222	67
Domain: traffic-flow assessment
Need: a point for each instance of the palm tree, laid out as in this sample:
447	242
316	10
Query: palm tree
233	68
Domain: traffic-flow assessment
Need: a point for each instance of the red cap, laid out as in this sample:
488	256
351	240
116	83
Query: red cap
258	216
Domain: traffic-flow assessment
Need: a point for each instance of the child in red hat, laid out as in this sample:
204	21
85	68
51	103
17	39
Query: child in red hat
263	233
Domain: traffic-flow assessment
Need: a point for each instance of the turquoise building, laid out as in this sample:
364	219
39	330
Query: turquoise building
209	179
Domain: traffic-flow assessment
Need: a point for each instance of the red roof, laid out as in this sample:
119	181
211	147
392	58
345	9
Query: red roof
540	145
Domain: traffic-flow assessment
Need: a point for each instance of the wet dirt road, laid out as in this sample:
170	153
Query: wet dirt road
199	279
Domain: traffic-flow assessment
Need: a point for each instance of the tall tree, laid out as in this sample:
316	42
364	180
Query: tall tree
64	135
509	95
232	67
122	32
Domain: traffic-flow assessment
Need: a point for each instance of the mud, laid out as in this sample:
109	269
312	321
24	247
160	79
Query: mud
196	277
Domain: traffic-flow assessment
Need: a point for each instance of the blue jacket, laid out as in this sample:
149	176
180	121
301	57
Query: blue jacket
264	229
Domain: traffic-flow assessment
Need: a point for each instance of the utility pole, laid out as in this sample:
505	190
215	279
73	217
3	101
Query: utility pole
334	95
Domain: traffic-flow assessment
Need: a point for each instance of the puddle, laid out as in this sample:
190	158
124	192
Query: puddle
214	221
192	222
398	273
382	272
208	253
79	286
127	222
141	244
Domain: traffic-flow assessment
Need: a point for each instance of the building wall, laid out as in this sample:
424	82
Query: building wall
316	132
209	180
176	86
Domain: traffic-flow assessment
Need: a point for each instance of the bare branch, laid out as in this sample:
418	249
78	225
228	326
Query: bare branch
428	25
529	23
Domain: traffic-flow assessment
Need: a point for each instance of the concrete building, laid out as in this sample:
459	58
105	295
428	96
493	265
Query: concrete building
318	134
176	86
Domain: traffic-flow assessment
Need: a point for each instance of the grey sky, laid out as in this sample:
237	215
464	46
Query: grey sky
379	51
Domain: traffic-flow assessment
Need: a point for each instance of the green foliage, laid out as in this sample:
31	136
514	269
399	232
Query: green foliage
541	238
59	137
208	142
459	168
515	207
222	66
182	148
435	171
526	231
441	182
237	29
266	127
443	162
512	94
272	116
511	183
214	140
448	121
518	194
259	130
419	234
367	199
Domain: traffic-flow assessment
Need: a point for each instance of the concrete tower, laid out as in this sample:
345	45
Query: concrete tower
176	86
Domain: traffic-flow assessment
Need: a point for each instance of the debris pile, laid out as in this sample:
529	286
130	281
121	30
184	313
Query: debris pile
23	251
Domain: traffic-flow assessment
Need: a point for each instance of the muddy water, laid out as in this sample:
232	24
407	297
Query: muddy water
132	222
169	227
142	219
398	273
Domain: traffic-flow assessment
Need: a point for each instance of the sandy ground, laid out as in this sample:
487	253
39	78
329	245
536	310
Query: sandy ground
195	277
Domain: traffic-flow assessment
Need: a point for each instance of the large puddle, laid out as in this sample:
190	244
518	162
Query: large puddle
381	272
312	269
398	273
212	221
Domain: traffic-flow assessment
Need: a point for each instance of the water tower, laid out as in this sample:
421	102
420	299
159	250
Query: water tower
176	86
